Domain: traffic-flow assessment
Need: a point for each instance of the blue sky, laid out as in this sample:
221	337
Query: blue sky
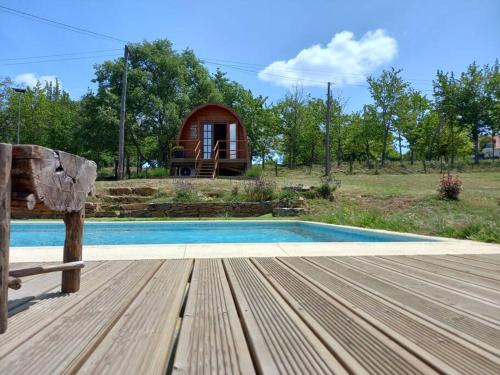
419	36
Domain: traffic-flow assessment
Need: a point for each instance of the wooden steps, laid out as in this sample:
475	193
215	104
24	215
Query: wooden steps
206	169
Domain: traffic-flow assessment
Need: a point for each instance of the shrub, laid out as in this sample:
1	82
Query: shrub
287	196
449	187
260	190
325	190
184	192
235	190
254	172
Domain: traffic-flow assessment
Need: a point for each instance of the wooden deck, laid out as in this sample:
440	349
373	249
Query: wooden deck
318	315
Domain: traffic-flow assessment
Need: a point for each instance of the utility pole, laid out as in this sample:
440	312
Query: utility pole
121	135
328	161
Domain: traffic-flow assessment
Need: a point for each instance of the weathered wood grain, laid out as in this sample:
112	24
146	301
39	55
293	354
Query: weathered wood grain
211	339
5	198
438	293
33	286
40	269
70	281
279	340
25	321
61	181
478	332
141	340
76	332
357	344
443	350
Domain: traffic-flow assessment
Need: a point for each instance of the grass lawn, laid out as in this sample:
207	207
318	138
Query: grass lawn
399	202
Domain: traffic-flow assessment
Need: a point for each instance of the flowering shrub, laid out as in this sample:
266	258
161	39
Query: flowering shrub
184	192
449	187
260	190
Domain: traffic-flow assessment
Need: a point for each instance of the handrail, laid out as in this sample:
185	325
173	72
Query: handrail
216	159
197	153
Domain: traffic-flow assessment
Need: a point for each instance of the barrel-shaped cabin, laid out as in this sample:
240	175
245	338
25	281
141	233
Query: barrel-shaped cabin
212	141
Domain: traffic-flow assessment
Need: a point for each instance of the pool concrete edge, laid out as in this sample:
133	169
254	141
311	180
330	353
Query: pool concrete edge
427	246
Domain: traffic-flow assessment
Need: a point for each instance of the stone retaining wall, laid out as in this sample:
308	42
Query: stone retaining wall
195	209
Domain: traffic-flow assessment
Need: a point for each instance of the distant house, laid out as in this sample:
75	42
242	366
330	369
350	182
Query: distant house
212	141
492	148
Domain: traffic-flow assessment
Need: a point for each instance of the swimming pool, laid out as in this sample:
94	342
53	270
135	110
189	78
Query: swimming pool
136	233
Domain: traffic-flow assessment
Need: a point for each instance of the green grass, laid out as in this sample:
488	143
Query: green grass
394	200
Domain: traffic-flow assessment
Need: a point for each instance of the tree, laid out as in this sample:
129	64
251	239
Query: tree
386	91
413	107
472	104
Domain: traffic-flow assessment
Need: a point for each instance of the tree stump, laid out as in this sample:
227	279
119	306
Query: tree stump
5	194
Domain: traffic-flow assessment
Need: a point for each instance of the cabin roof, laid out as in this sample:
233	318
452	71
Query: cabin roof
217	105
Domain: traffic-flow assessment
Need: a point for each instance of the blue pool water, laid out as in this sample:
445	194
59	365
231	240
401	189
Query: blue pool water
128	233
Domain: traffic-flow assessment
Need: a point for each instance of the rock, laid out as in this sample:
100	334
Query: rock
283	211
91	208
146	191
125	199
119	191
134	206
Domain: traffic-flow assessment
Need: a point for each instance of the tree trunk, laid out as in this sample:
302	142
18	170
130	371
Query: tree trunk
384	148
400	148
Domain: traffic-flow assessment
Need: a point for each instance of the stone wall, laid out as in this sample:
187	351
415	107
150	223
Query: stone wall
195	209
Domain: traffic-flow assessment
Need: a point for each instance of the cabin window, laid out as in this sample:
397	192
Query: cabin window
232	141
193	131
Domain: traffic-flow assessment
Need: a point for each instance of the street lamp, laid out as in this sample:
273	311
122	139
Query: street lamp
20	91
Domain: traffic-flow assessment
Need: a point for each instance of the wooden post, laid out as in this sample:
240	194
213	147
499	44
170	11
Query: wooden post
5	194
72	249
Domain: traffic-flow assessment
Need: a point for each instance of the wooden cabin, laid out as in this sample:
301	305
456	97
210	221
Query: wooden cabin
212	141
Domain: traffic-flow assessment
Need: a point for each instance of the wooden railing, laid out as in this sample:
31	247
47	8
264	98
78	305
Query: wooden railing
193	149
216	160
197	157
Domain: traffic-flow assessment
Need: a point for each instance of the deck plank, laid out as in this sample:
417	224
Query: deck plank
36	285
436	346
141	340
279	340
449	263
211	338
75	333
463	277
487	258
474	263
478	332
477	291
447	297
352	339
26	320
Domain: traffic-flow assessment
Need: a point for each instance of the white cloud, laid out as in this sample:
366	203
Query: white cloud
343	61
31	79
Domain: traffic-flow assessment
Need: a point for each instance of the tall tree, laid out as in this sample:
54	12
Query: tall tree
386	91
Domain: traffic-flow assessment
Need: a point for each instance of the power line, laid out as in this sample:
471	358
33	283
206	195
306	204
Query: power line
62	25
57	60
60	54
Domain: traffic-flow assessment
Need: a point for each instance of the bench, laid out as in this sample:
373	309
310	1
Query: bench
37	179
